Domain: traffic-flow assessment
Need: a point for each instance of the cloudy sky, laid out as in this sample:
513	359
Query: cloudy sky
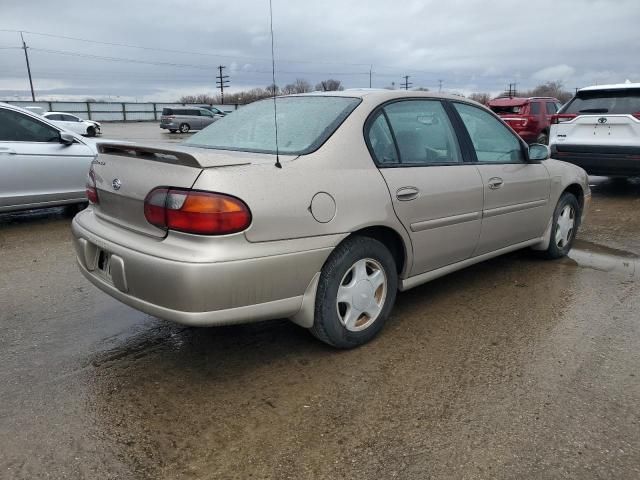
471	45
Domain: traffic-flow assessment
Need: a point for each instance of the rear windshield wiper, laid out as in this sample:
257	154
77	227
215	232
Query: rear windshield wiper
594	110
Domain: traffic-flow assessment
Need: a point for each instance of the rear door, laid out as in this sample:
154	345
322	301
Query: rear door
435	193
35	168
207	118
194	119
516	193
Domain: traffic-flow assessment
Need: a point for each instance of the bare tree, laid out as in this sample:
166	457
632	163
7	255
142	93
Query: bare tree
480	97
551	89
299	86
420	89
329	85
200	98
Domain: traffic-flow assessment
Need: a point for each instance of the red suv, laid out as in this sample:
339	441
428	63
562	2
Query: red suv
529	117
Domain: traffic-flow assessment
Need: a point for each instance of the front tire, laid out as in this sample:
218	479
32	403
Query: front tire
356	292
184	128
91	132
543	138
566	219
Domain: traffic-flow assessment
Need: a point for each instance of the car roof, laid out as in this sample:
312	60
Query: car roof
515	101
613	86
382	94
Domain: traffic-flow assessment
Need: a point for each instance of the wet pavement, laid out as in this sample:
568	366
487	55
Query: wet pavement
514	368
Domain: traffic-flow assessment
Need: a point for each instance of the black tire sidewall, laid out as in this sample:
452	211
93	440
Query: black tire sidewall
91	132
553	251
327	326
543	138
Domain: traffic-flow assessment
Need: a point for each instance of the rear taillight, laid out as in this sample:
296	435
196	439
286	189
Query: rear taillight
637	115
193	211
90	190
562	117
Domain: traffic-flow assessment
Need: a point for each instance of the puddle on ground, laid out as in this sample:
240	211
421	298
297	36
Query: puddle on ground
604	259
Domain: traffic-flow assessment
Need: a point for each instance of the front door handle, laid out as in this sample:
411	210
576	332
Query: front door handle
495	183
405	194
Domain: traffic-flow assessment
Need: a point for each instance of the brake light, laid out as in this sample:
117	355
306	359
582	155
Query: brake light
194	211
637	115
90	190
562	118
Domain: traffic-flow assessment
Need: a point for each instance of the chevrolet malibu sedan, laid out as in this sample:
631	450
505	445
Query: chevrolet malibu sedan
359	194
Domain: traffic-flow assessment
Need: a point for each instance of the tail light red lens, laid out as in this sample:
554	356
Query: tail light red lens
90	190
194	211
562	117
637	115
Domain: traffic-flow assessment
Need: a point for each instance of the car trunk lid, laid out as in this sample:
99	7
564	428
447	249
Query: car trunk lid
126	173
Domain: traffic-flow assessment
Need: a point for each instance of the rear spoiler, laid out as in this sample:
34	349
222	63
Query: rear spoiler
175	157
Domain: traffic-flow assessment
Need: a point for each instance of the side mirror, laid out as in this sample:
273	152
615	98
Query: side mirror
66	138
538	152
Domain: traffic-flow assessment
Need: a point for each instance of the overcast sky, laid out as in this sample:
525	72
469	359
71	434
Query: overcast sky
471	45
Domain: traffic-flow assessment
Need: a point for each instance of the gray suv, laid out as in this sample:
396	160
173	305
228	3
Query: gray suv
186	118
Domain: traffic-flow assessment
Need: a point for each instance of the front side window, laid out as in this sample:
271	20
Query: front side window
381	142
534	108
423	132
18	127
492	141
304	123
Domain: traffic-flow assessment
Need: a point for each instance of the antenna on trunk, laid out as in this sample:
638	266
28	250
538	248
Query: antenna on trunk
273	76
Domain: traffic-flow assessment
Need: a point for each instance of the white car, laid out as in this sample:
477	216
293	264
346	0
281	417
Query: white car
74	124
41	164
599	130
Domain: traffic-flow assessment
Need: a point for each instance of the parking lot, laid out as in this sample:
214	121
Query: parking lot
514	368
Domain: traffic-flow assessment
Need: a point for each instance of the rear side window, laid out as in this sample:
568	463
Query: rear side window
605	101
380	141
423	132
18	127
551	107
492	141
534	108
507	108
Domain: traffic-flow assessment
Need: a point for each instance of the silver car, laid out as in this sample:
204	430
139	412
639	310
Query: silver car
41	165
362	194
184	119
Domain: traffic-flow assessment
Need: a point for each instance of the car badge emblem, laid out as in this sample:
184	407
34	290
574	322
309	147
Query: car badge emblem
116	184
602	120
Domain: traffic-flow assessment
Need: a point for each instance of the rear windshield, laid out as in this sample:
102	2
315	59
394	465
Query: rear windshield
507	109
304	123
611	101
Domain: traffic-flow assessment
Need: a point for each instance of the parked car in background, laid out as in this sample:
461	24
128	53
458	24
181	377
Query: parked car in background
41	164
214	110
73	123
529	117
363	193
184	119
599	130
38	110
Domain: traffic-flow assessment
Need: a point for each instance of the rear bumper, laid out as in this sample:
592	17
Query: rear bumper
600	159
169	126
199	293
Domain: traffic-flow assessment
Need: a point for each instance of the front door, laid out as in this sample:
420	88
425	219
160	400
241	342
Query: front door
516	193
435	194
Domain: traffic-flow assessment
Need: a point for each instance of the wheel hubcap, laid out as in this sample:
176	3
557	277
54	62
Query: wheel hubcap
565	225
361	294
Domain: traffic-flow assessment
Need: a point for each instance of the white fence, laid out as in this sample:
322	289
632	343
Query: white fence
111	111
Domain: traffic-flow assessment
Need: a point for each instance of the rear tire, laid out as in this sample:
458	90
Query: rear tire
173	131
356	292
543	138
566	220
184	128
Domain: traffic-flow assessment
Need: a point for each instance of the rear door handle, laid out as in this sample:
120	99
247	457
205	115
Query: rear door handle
495	183
405	194
7	151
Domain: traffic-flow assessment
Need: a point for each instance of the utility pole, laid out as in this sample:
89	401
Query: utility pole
222	82
406	83
439	85
26	56
370	69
